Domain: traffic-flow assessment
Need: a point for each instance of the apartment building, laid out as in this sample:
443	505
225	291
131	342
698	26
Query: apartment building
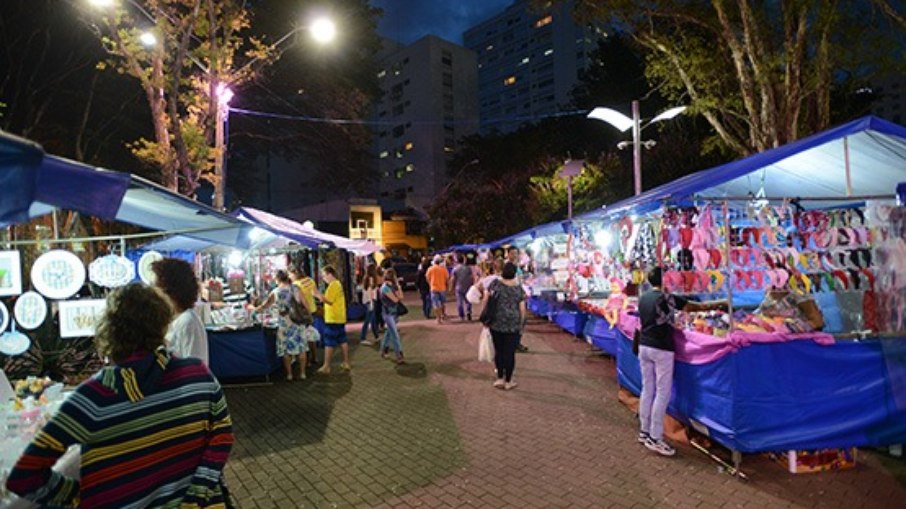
528	63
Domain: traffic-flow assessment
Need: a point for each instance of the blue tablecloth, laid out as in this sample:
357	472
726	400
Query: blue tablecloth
796	395
243	353
599	333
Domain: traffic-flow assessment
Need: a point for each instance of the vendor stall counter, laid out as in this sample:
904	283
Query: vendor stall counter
245	353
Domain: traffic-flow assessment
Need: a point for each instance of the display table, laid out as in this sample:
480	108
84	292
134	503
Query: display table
243	353
793	393
599	333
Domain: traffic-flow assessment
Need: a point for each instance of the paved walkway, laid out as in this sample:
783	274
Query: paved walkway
435	434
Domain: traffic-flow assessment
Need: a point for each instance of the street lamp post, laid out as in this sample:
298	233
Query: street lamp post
624	123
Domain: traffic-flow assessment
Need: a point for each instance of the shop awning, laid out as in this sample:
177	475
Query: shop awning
813	167
301	233
33	184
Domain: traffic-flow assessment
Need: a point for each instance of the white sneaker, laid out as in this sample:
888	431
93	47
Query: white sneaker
366	342
643	437
660	446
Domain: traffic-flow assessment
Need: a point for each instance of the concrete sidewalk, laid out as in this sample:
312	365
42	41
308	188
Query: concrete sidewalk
434	433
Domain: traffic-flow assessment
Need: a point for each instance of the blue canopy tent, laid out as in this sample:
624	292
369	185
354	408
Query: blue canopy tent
801	395
33	184
864	157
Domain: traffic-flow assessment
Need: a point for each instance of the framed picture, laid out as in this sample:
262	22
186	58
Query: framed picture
10	274
78	318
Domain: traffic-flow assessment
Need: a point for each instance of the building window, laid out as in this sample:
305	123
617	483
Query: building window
408	145
548	52
544	21
397	110
490	47
398	131
448	79
510	80
525	61
382	73
384	154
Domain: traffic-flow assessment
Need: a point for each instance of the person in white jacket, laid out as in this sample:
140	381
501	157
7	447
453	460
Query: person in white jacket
186	336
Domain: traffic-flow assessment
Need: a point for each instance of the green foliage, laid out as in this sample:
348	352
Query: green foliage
761	73
591	189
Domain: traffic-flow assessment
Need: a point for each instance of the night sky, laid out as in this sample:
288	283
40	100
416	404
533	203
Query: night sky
408	20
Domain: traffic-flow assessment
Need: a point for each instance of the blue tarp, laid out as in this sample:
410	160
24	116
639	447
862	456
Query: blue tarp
241	354
810	167
599	333
33	183
798	395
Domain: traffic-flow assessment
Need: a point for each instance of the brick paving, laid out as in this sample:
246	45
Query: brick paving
435	434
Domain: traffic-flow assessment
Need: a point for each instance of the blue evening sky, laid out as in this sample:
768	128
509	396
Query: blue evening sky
408	20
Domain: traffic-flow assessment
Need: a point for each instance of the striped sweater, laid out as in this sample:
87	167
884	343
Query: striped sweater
154	432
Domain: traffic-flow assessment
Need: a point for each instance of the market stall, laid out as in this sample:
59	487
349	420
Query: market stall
813	223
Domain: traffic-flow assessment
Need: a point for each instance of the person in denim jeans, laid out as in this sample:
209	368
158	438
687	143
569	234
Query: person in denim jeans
392	294
656	355
463	279
424	289
369	297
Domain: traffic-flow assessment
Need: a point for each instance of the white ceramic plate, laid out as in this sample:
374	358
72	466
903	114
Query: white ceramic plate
30	310
58	274
4	317
111	271
14	342
144	266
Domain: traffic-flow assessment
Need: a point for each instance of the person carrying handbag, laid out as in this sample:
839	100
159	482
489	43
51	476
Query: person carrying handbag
508	316
391	296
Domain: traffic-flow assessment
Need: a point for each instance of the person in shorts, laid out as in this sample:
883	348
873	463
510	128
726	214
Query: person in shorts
438	279
334	320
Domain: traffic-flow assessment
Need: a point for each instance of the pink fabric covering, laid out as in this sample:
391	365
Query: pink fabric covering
698	348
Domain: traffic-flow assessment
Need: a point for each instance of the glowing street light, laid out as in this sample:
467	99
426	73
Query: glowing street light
623	123
147	39
323	30
101	3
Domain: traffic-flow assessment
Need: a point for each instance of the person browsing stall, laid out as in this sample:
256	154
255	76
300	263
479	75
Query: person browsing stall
334	335
186	335
656	356
154	428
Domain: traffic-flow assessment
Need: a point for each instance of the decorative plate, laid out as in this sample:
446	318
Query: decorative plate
30	310
111	271
144	266
58	274
4	317
14	342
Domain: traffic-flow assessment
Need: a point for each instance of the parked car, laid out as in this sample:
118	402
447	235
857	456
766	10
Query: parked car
407	273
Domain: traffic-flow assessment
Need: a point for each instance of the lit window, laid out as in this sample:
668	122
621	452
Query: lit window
410	168
409	145
524	61
548	51
382	73
448	149
544	21
509	81
490	47
384	154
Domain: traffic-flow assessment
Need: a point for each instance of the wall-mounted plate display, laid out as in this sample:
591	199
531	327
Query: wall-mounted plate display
144	266
58	274
4	317
78	318
111	271
10	274
14	342
30	310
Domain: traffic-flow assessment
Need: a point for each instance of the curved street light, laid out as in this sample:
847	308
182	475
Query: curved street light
623	123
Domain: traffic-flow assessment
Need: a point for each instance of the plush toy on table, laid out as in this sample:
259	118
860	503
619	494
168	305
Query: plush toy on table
616	303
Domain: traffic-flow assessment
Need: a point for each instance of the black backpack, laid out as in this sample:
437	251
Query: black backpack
490	308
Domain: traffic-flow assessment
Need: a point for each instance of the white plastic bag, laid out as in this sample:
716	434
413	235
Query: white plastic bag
485	346
474	294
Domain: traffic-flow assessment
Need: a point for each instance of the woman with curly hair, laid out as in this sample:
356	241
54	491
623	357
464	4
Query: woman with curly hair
154	428
187	336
